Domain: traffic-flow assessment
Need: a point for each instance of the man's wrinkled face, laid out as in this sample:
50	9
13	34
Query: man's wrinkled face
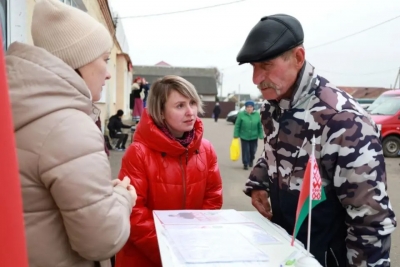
276	77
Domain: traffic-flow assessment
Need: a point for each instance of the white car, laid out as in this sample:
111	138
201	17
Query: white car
231	117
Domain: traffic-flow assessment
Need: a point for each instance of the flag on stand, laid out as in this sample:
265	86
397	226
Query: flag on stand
311	190
12	233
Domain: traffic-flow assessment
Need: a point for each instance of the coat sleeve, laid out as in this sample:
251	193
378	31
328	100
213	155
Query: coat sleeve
143	232
260	130
238	123
213	195
75	170
358	166
258	178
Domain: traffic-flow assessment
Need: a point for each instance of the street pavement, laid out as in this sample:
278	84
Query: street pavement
233	176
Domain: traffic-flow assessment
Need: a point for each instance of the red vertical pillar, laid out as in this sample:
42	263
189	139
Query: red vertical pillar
12	233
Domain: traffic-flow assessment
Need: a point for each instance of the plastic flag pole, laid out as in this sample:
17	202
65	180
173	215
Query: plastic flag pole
310	197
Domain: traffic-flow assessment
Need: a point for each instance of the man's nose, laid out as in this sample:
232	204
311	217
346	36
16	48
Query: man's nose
258	75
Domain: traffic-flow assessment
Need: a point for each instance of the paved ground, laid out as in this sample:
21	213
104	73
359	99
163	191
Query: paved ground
220	134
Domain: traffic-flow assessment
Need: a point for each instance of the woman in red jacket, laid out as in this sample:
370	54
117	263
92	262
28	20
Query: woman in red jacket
170	165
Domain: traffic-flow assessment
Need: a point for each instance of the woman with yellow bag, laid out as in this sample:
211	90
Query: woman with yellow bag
248	128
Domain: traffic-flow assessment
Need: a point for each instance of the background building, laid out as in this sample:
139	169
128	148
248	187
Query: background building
204	79
15	19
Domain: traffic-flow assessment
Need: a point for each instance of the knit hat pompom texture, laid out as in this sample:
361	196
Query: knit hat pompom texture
69	33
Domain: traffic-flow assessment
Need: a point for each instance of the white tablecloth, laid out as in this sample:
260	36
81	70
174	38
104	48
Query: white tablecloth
277	252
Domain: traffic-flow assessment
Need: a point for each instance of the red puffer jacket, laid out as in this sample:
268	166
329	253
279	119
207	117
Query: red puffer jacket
167	176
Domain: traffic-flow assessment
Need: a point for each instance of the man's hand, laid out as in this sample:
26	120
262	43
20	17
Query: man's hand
259	199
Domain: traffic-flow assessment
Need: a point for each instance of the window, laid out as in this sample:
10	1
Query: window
388	105
70	2
3	22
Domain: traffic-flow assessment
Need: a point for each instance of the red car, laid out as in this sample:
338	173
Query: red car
385	111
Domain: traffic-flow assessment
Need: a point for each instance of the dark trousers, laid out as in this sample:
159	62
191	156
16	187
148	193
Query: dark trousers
216	117
122	138
249	148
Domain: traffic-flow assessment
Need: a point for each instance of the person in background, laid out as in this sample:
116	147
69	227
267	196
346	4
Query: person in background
75	214
170	164
249	129
138	95
216	111
146	88
115	126
353	226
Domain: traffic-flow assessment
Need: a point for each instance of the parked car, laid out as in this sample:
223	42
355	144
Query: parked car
231	117
365	102
385	111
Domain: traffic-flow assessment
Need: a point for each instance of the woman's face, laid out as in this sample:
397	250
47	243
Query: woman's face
180	114
249	109
95	75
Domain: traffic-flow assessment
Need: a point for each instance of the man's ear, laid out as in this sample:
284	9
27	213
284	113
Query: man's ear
300	56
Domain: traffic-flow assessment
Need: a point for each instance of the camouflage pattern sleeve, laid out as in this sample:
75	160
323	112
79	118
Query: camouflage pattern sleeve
258	178
352	153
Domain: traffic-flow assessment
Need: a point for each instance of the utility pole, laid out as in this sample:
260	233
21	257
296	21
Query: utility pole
239	98
397	80
222	82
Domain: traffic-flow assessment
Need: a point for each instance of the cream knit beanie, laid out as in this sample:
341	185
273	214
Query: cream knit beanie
69	33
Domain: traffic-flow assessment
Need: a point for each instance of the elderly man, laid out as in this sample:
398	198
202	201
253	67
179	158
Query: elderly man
356	219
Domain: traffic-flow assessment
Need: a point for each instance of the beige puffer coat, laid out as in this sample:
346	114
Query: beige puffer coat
73	215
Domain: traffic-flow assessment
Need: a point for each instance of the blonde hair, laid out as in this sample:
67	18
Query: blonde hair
160	91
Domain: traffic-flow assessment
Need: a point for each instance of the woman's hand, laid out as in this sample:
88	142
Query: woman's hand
126	183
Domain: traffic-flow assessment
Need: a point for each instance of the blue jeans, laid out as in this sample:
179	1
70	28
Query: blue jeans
249	148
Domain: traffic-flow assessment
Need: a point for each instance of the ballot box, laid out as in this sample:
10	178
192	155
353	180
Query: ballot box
219	238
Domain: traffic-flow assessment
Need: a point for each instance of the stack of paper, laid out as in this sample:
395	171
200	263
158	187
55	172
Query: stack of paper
211	237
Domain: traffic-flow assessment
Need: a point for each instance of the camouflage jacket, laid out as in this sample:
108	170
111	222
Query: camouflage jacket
357	218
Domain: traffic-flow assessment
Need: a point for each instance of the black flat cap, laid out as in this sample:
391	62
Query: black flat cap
270	37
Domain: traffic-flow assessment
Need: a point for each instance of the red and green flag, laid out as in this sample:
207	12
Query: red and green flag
311	190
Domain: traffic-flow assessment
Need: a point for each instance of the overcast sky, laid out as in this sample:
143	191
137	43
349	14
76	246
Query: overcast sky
214	36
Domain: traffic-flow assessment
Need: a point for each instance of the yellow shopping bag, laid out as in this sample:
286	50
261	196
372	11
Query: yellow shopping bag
235	149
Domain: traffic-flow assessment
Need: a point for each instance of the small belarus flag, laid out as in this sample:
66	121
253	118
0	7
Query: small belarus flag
311	189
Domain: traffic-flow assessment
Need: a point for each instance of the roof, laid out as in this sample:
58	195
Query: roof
364	92
181	71
243	97
203	79
163	63
203	85
395	92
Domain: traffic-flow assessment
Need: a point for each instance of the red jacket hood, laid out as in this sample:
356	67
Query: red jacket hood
150	135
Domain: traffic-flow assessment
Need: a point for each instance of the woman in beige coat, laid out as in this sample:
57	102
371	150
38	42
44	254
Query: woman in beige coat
75	215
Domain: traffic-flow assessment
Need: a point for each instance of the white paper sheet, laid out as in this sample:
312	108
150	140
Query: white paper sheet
255	234
213	244
200	216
